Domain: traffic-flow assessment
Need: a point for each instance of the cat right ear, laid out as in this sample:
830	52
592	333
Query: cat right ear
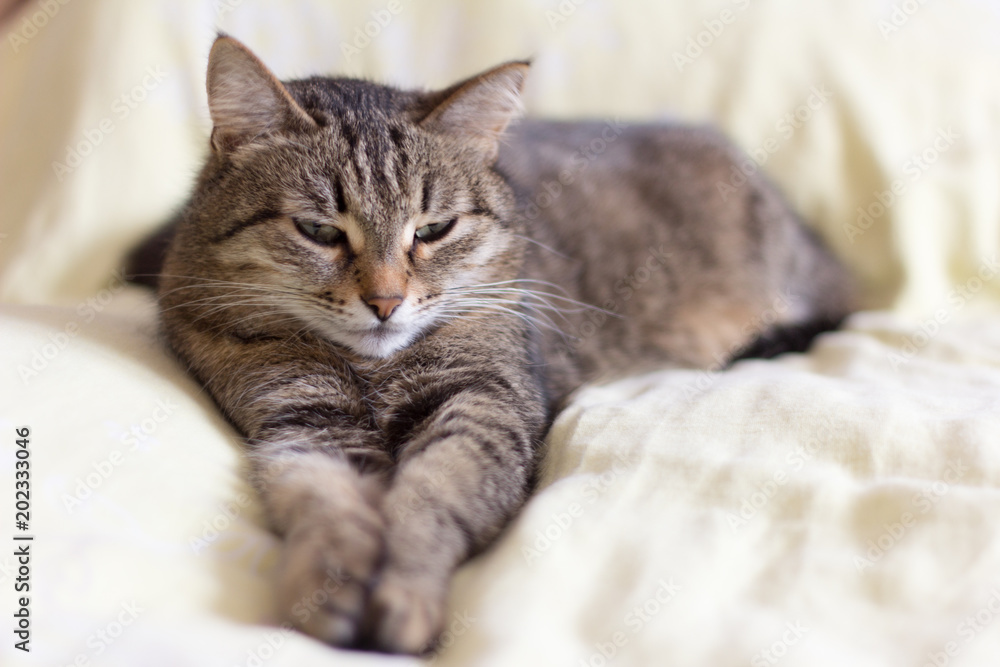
245	99
479	109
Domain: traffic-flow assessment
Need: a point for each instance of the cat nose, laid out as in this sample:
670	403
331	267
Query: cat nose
383	306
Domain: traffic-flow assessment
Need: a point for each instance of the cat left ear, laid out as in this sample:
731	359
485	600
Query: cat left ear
479	109
245	99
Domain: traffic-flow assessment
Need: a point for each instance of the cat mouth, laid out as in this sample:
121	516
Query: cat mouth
381	333
381	330
379	340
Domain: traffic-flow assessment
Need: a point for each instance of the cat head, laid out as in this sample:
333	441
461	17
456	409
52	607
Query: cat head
365	213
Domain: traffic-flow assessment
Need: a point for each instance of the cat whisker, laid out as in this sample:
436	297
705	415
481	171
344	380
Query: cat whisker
229	288
541	309
514	281
497	306
226	299
240	320
543	297
537	294
248	318
545	247
524	290
513	304
208	283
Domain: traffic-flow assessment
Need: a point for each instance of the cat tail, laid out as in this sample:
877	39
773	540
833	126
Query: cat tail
820	291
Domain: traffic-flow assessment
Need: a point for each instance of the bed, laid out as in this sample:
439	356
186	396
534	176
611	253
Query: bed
840	506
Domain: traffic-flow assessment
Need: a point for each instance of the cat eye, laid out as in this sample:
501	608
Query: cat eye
320	233
434	232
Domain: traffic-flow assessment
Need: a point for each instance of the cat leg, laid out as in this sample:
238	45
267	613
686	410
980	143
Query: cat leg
444	505
318	464
458	481
327	513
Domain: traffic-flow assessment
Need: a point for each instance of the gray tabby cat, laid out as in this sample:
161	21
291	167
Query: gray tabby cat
391	293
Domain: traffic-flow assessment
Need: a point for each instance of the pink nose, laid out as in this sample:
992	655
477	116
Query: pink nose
383	306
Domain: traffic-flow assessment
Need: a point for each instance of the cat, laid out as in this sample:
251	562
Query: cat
391	293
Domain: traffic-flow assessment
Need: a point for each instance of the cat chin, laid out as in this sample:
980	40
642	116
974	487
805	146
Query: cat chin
372	342
375	344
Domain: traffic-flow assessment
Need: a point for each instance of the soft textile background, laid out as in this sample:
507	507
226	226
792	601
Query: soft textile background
890	92
831	508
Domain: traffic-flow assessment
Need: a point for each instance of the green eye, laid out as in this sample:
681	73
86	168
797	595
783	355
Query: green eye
435	231
320	233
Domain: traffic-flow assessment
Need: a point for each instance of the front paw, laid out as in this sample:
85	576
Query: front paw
405	613
325	576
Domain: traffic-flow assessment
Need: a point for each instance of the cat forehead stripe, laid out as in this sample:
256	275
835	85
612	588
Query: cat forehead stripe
263	215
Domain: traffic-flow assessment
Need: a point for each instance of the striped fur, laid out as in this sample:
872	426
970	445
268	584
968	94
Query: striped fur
395	391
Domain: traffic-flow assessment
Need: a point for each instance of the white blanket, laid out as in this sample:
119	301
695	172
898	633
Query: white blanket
839	507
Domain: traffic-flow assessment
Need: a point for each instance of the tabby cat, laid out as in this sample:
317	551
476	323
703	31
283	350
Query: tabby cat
391	293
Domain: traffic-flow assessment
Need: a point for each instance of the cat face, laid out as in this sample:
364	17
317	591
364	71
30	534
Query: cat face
365	214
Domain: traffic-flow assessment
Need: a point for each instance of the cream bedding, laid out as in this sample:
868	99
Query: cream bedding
838	507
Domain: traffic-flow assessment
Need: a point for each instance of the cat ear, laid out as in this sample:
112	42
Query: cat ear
245	99
478	110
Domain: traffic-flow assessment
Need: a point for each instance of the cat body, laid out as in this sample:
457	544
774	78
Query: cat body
684	276
391	293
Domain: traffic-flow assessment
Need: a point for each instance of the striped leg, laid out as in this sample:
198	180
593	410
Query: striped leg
459	479
320	470
333	532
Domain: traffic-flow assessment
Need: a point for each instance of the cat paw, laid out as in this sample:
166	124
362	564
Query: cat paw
405	614
325	576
